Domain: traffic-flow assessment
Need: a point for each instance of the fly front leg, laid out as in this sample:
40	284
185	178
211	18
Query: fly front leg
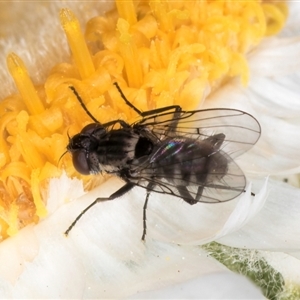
122	123
149	113
82	104
123	190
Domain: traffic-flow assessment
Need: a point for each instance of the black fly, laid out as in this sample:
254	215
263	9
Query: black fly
187	154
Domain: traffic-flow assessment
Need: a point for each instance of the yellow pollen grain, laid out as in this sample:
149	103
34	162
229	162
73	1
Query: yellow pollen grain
160	52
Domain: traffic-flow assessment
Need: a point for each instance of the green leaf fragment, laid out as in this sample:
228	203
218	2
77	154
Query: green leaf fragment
251	264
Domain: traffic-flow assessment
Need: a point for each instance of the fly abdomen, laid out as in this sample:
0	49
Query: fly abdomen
185	161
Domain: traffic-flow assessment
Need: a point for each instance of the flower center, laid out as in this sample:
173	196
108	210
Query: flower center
160	53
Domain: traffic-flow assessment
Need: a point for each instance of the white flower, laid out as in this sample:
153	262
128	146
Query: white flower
103	256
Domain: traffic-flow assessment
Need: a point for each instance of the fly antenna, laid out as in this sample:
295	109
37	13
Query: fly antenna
82	104
62	156
68	134
65	151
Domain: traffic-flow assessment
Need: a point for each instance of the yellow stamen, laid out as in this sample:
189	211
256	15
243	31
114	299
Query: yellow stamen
161	12
24	84
129	53
77	43
126	11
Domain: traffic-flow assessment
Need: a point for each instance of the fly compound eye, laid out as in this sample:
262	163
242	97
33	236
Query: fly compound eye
82	146
80	162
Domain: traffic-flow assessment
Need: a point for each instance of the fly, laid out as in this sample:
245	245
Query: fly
186	154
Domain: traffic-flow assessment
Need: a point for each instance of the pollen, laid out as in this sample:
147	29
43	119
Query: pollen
159	52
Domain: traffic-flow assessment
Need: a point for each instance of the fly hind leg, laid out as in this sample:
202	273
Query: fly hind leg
186	196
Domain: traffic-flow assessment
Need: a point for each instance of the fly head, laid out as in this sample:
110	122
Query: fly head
83	147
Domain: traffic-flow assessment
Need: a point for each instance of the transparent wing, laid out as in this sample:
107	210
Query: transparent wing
182	167
241	130
167	179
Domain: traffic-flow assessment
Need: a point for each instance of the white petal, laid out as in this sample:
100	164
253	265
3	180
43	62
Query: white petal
61	190
278	97
277	151
275	57
292	26
15	251
276	226
287	265
172	220
246	208
169	219
230	286
103	251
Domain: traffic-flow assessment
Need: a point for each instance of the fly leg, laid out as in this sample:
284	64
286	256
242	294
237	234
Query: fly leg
120	192
199	192
111	123
186	196
144	216
172	126
82	104
176	108
149	188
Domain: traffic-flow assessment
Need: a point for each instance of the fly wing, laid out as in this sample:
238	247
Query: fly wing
195	170
230	185
241	130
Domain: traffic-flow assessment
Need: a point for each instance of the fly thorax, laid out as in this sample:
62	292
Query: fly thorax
117	149
143	147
